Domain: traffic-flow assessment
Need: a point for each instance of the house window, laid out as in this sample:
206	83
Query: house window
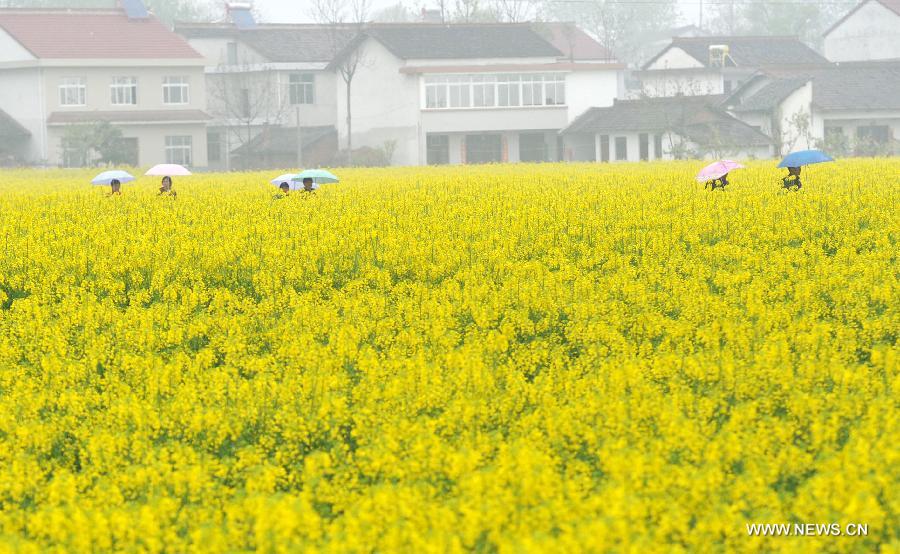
483	89
508	87
621	149
302	88
437	149
175	90
875	134
834	132
657	147
232	53
532	147
604	148
179	150
214	146
488	91
484	149
644	146
72	92
123	91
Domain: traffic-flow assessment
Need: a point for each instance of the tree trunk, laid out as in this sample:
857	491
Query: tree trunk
349	127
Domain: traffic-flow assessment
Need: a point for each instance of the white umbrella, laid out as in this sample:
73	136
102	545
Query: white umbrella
108	177
167	170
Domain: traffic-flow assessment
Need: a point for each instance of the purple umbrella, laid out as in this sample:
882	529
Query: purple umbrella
717	169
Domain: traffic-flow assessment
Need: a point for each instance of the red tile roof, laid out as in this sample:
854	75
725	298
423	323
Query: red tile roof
92	34
574	43
893	5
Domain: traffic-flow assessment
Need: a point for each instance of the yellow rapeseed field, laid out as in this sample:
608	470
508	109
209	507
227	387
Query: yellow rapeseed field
530	358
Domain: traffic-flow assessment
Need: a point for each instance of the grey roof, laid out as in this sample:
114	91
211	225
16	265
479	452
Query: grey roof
280	43
696	117
749	51
847	86
283	140
464	41
10	128
770	95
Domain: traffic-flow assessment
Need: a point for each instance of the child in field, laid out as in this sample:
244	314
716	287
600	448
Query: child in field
115	187
719	183
308	185
284	189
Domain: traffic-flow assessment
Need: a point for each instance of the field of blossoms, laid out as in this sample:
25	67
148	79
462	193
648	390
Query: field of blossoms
543	358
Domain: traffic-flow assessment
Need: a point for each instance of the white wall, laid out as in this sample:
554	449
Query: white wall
675	58
20	97
151	142
871	33
11	50
798	103
672	83
591	89
384	106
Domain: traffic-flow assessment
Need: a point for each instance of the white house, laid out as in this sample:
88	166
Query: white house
662	128
851	108
719	64
67	67
870	31
265	80
470	93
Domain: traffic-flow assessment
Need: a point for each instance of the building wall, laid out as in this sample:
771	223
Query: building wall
11	50
149	83
871	33
151	142
591	89
688	83
384	106
21	96
797	105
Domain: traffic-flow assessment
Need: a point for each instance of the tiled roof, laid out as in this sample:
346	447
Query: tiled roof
10	128
696	117
574	43
846	86
279	43
283	140
771	95
93	34
462	41
749	51
893	5
127	116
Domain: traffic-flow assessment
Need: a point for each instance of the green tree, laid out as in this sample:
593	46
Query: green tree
94	144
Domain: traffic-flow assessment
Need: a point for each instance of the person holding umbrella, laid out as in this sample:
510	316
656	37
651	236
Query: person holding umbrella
308	185
166	188
715	175
114	178
795	160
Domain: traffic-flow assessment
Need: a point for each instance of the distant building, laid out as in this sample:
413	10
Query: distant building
662	129
719	64
60	68
471	93
870	31
268	78
849	108
654	43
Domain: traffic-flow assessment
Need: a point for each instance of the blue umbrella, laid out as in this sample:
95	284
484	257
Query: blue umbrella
317	175
107	176
805	157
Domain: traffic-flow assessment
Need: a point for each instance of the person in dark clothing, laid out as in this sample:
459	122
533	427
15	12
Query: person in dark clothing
115	187
308	185
719	183
792	181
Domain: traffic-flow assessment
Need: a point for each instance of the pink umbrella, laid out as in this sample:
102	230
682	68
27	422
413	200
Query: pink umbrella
167	170
717	169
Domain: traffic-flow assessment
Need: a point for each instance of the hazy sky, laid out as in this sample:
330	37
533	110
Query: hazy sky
294	11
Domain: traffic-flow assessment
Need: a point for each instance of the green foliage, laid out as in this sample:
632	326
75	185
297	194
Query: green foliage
94	144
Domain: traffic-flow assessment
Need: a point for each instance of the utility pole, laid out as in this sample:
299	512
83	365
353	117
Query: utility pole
299	141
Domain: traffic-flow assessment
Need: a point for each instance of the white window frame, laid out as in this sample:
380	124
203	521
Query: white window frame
123	89
480	91
180	149
70	87
176	83
302	89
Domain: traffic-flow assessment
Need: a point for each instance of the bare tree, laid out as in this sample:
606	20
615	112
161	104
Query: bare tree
345	19
513	11
246	97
